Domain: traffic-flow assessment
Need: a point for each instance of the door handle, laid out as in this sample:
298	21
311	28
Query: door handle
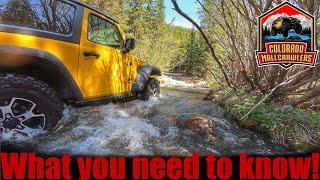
91	54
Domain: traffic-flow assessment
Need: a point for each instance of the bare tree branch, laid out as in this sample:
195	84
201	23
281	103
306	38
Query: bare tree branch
213	53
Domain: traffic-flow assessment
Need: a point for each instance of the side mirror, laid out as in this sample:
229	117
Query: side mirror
130	44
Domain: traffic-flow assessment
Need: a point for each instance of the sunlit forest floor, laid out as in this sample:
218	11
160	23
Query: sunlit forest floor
173	79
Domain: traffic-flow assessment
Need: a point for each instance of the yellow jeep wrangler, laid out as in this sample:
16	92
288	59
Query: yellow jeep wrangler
63	51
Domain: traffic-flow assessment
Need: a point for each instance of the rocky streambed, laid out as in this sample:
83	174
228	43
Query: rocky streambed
178	123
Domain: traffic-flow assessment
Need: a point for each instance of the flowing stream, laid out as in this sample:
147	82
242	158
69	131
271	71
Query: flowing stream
152	128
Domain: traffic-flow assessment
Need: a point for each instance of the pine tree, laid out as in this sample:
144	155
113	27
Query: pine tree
195	56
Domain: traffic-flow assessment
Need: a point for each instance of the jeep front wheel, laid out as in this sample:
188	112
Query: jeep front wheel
152	90
28	107
273	31
285	34
298	29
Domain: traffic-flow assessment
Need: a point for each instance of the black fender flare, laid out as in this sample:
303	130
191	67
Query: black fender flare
144	73
43	66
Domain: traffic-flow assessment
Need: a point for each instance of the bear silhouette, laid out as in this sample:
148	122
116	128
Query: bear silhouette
282	25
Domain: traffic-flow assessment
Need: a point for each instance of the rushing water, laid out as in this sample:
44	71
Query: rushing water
150	128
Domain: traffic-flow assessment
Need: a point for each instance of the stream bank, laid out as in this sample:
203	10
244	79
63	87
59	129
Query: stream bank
296	129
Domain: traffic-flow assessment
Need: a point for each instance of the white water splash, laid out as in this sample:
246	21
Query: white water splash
148	128
18	137
171	82
110	127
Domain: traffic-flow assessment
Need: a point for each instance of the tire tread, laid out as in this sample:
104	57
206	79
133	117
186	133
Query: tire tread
10	80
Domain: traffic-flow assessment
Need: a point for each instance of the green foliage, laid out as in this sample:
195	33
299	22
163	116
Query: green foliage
194	57
270	117
244	106
314	117
160	51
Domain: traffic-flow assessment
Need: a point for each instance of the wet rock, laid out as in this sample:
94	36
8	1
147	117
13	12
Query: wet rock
201	125
169	119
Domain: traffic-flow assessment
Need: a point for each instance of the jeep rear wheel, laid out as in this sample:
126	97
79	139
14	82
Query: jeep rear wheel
28	107
152	90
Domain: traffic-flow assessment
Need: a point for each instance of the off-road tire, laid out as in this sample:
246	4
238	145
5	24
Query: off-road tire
285	34
273	31
298	29
46	99
146	94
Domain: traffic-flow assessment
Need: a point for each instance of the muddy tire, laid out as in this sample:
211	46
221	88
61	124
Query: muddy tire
27	106
152	90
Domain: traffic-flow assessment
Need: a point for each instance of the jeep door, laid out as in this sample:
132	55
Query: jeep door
126	69
100	54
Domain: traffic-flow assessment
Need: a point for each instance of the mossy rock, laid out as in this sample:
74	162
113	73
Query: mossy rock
248	122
